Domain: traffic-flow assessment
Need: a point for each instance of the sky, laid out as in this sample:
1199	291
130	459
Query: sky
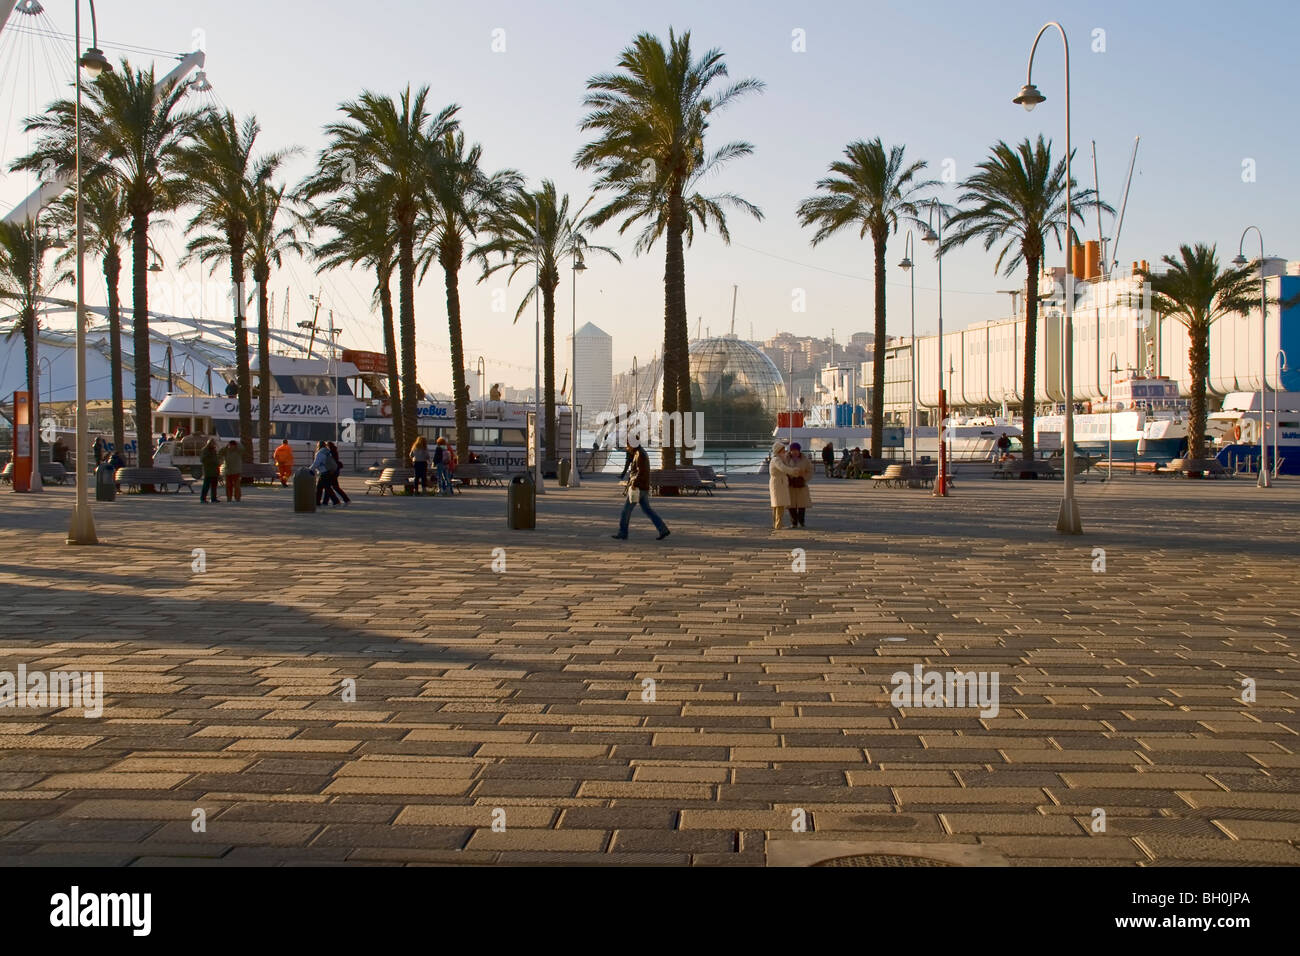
1206	88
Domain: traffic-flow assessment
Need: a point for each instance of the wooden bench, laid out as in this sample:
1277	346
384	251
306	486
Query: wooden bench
905	475
160	478
477	473
53	473
263	471
390	478
680	480
1018	468
708	474
1208	467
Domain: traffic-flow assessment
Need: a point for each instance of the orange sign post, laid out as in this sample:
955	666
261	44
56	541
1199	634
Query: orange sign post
23	443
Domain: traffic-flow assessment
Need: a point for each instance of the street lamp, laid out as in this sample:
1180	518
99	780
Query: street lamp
1277	422
930	237
906	266
482	375
81	530
1240	260
537	343
578	266
1110	418
1067	521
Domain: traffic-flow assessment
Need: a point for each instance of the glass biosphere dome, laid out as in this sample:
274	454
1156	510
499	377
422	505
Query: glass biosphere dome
737	388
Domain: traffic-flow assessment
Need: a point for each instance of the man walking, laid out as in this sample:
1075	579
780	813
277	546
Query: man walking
638	491
284	462
233	465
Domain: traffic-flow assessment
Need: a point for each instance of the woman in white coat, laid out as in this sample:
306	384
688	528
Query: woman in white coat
778	484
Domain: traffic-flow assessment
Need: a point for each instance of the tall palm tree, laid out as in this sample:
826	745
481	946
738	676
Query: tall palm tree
534	232
269	238
651	118
362	235
461	197
389	146
221	173
135	135
23	282
872	190
1016	197
105	223
1196	293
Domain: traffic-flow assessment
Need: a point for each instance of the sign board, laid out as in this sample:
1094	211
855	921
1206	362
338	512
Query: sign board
23	428
891	436
532	440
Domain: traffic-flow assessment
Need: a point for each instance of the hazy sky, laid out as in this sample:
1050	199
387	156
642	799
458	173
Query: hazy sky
1205	85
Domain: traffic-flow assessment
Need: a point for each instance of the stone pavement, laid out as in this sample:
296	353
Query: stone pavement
690	701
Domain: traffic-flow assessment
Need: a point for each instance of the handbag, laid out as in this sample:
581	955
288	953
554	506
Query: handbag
796	481
634	495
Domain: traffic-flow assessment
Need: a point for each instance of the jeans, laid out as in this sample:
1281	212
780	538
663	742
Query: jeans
232	487
444	480
645	506
337	488
421	475
209	484
325	489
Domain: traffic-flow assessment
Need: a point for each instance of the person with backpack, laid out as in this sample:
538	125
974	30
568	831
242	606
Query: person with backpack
338	470
323	467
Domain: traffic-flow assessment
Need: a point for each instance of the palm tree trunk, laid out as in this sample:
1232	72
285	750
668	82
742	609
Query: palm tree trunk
879	240
451	277
406	321
33	400
263	366
1031	352
243	375
1198	363
390	346
548	367
112	276
140	338
677	384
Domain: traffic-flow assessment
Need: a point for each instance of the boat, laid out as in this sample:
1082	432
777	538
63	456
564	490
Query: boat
1144	419
1233	431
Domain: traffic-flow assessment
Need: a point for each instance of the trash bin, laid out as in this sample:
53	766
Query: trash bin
521	502
105	490
564	469
304	490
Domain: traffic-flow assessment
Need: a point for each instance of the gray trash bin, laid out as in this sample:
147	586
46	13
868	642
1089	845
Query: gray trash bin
564	470
304	490
521	502
105	490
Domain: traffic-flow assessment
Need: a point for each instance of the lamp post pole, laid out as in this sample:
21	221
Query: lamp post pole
1067	521
537	348
1263	481
1110	418
81	529
906	266
936	239
578	266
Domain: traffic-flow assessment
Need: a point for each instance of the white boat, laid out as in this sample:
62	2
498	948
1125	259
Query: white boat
1233	431
1145	418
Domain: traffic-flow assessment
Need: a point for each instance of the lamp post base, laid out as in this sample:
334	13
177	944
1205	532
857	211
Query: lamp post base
1067	522
82	528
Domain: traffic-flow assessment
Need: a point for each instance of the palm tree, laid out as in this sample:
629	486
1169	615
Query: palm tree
651	118
22	280
105	226
389	146
135	135
363	236
269	238
870	189
461	196
221	175
1196	293
533	231
1016	197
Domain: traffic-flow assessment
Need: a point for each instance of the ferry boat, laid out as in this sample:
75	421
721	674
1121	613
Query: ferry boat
1233	431
1145	419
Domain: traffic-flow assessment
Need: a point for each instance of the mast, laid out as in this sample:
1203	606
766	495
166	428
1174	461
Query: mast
1124	203
734	290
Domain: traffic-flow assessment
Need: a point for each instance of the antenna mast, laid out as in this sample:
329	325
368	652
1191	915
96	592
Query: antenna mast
1124	203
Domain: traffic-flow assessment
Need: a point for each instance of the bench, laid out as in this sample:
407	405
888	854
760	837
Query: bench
157	477
390	478
477	473
264	471
1208	467
898	476
53	473
708	474
1019	468
679	480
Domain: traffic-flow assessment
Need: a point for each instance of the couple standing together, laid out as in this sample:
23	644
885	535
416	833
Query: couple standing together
789	472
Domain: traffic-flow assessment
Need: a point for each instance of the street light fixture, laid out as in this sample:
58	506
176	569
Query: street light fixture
1110	417
906	266
1067	521
933	238
81	529
1263	481
578	266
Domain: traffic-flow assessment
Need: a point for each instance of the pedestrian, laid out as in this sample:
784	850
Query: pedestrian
800	473
322	467
116	461
778	484
828	458
210	459
855	464
591	462
338	469
284	462
101	450
442	466
638	491
420	458
233	467
844	463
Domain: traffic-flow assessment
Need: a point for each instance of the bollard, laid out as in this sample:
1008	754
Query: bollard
521	502
304	490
